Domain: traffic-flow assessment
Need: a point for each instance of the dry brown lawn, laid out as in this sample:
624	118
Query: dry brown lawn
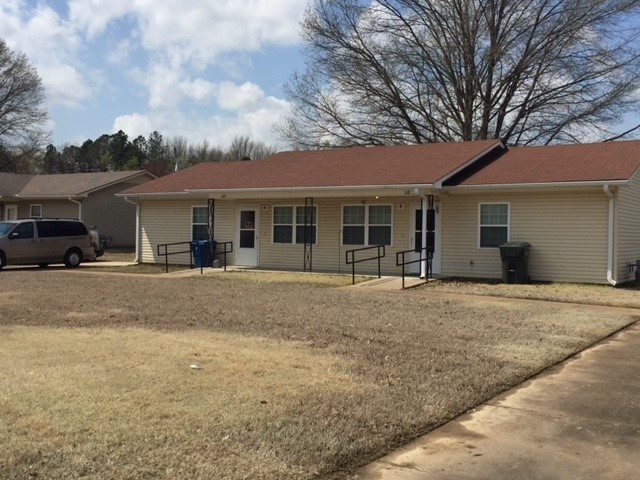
297	380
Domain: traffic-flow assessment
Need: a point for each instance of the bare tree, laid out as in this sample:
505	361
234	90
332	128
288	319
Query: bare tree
242	148
22	115
417	71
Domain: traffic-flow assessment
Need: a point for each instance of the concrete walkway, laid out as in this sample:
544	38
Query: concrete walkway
390	283
578	420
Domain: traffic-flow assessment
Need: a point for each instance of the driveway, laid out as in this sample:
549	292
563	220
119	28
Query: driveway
578	420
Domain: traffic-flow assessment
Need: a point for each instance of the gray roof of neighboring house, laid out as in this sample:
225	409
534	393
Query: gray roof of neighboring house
62	185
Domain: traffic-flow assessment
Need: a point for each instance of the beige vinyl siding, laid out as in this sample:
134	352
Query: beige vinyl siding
567	232
627	238
328	252
164	222
50	208
169	221
224	228
114	217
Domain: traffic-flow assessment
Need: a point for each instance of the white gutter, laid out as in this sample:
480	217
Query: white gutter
493	186
79	206
137	257
610	237
330	189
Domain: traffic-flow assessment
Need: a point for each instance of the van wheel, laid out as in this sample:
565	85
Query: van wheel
73	258
3	260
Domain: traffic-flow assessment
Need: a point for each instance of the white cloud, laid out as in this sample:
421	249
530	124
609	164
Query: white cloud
93	16
218	130
121	54
51	47
198	90
241	98
64	85
180	55
134	125
200	31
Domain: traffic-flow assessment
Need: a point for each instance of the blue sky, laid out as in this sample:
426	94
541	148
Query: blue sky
201	69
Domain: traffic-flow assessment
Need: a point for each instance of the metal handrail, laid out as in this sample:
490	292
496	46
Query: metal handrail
353	261
428	258
224	252
166	252
163	250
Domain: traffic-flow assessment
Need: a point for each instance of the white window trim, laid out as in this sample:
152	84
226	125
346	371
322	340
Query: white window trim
191	223
293	225
31	210
508	225
366	222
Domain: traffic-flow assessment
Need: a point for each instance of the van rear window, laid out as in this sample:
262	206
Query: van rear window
49	228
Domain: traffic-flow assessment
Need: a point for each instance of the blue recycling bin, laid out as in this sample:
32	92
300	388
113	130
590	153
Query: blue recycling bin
202	252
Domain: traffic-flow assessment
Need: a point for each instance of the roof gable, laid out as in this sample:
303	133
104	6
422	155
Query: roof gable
575	163
399	165
12	183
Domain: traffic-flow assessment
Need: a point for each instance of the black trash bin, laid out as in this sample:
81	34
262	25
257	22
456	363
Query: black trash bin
515	262
202	253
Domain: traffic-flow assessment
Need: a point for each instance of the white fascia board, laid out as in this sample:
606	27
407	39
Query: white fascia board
326	192
50	197
522	186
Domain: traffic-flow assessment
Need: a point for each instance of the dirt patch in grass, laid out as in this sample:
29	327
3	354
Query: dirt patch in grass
299	381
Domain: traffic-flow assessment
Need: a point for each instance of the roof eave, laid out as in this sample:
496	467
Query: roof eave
538	185
56	196
293	192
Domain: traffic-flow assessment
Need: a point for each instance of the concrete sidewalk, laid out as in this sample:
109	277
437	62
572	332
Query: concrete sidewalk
578	420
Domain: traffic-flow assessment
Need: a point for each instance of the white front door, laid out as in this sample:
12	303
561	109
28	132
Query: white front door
416	239
11	212
247	238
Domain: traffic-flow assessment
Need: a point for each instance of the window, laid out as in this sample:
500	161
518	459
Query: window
379	225
200	223
35	211
353	225
23	230
494	224
300	221
367	224
289	228
60	228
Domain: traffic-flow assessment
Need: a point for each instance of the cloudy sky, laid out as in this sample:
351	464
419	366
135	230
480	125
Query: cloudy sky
202	69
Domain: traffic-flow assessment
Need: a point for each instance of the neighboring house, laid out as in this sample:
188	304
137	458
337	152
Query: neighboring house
577	205
89	197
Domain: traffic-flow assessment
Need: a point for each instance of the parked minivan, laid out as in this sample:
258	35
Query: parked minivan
44	241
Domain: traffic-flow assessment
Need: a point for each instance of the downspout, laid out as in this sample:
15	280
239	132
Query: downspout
79	203
610	237
137	257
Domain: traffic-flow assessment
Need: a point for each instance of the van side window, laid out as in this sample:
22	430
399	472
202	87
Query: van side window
47	228
23	230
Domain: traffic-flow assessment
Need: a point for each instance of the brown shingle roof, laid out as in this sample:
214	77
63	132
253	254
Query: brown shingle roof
596	162
340	168
12	183
69	184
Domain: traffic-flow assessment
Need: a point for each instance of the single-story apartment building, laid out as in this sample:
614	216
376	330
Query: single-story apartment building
578	206
90	197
